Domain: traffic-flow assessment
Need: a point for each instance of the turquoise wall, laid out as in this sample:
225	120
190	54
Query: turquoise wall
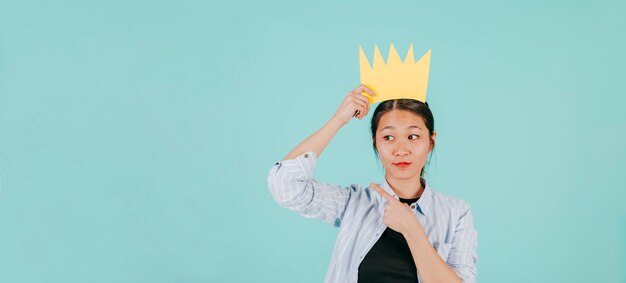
136	136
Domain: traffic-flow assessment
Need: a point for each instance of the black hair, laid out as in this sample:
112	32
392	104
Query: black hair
414	106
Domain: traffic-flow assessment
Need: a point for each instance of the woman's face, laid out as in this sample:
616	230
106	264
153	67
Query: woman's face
403	137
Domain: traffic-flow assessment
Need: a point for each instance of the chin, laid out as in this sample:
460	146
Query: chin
403	175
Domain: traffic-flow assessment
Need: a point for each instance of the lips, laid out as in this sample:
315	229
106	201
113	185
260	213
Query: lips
402	164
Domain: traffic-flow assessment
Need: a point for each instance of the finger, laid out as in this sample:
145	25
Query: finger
361	97
363	103
364	88
362	111
358	104
359	111
361	89
382	192
367	109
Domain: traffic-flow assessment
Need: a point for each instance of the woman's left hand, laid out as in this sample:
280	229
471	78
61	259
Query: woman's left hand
398	216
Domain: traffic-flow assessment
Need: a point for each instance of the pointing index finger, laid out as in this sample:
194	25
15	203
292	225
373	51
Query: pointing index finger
382	192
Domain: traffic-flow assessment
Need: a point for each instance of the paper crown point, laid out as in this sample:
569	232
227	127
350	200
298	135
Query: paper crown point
395	79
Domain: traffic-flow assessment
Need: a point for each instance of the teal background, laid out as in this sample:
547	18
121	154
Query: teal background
136	136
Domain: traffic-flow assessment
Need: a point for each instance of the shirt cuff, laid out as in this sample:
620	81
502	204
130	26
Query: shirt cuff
301	167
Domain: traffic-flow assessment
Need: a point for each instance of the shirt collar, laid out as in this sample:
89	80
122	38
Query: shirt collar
422	204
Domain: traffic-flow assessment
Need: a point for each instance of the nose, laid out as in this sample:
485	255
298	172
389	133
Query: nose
401	149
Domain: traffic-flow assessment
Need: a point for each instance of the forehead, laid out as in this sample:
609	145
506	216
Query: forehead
400	119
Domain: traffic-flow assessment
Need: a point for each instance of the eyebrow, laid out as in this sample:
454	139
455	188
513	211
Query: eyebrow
392	127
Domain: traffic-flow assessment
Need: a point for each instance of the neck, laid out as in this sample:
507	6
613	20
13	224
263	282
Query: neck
408	189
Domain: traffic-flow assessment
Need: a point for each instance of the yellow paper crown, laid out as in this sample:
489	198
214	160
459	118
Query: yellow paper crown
394	79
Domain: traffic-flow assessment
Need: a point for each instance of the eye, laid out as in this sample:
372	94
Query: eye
416	136
389	138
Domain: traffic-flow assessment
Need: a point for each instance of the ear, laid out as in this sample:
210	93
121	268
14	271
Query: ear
433	138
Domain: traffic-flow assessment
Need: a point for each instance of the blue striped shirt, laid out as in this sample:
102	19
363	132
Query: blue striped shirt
358	213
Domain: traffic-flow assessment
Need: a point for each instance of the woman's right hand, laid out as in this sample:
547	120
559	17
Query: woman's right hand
354	105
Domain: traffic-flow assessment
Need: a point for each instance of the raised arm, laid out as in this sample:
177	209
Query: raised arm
291	181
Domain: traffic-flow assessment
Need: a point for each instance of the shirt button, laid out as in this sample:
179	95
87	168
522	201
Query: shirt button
306	155
412	206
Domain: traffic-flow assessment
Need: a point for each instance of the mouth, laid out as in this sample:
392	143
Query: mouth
402	164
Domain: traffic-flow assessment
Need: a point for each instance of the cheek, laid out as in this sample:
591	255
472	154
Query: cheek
422	150
384	154
384	150
423	146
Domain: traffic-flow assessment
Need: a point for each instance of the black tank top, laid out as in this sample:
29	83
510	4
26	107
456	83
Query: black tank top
390	259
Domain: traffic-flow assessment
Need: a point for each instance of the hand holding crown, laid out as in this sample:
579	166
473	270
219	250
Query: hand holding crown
355	104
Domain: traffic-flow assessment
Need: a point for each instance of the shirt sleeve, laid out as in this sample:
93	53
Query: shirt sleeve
463	255
292	186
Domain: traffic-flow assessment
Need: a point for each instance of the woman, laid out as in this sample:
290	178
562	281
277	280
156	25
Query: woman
399	231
